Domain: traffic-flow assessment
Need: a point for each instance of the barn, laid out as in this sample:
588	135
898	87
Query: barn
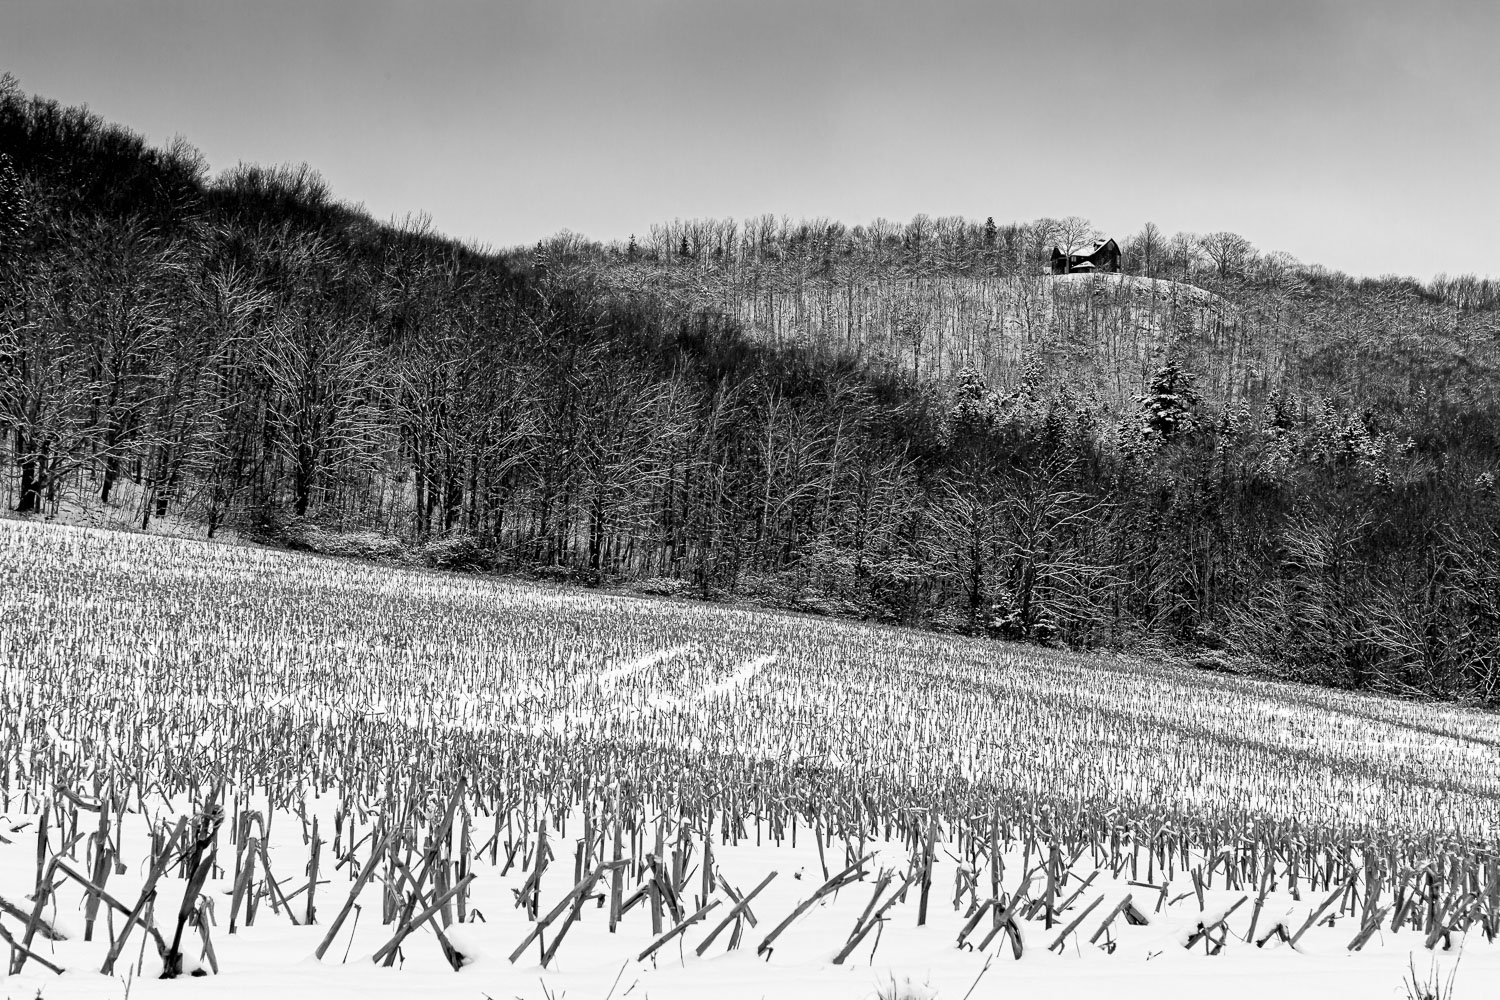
1101	256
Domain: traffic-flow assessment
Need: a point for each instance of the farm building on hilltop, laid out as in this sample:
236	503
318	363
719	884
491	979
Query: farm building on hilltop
1101	255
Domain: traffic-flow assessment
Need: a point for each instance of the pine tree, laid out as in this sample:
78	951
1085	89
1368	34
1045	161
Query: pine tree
1169	409
991	233
975	409
632	249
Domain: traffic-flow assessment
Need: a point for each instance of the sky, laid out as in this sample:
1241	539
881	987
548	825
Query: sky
1363	135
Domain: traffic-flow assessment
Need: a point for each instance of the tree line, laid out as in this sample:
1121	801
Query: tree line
1300	470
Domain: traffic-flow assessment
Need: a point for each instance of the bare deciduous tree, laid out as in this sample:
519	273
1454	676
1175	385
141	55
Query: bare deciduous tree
1145	249
1229	253
1071	234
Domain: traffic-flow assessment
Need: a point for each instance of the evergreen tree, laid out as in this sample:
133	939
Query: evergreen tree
1170	408
975	409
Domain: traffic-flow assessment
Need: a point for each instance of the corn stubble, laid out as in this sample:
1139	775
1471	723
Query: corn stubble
205	701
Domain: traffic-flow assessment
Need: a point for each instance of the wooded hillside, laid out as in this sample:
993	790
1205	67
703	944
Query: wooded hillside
907	423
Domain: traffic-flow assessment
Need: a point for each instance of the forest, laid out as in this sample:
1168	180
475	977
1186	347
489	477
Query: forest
1224	455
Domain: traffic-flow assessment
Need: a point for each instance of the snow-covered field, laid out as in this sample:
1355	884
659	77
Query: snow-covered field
1008	797
1157	287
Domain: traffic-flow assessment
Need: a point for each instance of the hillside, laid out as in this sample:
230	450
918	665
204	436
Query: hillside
938	324
934	297
1225	457
338	779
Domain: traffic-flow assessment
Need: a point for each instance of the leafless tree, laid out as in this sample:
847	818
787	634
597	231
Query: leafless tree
1229	253
1071	234
1146	248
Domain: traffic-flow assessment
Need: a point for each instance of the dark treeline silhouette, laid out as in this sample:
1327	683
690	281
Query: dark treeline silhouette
903	423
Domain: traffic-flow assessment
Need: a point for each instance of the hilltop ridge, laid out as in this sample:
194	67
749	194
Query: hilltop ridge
935	297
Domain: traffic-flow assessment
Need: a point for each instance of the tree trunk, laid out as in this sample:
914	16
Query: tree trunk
304	477
111	476
31	486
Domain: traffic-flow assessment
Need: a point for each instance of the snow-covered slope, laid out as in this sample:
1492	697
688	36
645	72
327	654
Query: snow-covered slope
323	705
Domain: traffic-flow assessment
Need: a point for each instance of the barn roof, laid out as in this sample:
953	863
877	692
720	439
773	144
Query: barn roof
1083	250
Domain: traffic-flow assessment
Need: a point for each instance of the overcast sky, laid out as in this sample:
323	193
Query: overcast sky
1360	134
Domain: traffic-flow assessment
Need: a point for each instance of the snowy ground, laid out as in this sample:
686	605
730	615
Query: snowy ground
275	958
1157	288
78	505
236	662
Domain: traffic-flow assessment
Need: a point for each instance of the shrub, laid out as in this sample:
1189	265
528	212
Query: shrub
551	574
457	552
660	586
